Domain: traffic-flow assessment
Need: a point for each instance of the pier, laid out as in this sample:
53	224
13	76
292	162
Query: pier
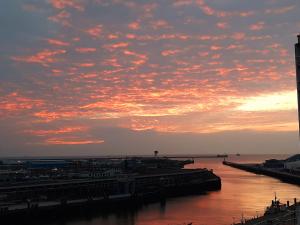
260	169
35	200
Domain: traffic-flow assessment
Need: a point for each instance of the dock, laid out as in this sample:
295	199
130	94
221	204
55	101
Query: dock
271	172
52	198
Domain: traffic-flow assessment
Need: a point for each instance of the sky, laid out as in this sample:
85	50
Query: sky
104	77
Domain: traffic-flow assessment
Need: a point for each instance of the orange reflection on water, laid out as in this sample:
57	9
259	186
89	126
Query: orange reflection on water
242	194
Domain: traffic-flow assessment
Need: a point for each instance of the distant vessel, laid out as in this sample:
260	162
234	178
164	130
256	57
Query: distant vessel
238	154
222	155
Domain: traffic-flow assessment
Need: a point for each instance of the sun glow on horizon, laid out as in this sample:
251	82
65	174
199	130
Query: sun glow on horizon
278	101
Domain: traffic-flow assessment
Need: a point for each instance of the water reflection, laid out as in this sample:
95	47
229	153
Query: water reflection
242	193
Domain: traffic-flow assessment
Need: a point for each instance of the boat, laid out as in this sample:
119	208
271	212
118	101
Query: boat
275	207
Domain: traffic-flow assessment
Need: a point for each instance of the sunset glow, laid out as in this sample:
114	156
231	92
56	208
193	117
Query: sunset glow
271	102
77	72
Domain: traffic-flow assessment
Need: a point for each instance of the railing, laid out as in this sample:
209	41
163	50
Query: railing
288	218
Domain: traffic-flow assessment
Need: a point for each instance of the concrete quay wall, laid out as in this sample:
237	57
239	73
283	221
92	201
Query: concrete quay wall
63	198
258	169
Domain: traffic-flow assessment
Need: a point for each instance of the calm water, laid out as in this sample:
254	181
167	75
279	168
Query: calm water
242	193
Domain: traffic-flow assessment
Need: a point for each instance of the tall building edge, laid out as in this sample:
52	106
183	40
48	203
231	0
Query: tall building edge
297	60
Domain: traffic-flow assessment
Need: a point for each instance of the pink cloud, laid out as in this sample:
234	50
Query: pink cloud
95	32
72	141
257	26
223	25
215	47
44	57
86	65
85	50
132	53
221	13
113	36
16	103
111	62
169	52
114	46
63	130
238	36
57	42
61	4
62	18
160	24
131	78
134	26
281	10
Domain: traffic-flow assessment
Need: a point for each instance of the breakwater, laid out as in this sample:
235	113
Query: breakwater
259	169
37	200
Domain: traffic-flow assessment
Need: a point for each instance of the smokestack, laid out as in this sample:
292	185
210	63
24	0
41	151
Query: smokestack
297	59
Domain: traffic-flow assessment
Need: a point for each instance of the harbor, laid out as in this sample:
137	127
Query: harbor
129	112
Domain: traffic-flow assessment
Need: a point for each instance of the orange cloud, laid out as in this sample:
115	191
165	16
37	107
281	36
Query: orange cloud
61	4
215	47
114	46
220	13
113	36
49	116
62	18
239	36
63	130
57	42
281	10
132	83
95	32
140	59
85	64
111	62
61	141
158	24
16	103
257	26
85	50
223	25
139	62
169	52
134	26
132	53
44	57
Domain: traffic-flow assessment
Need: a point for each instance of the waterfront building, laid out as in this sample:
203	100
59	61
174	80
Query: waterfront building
293	162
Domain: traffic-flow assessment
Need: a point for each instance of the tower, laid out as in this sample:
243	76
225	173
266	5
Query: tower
297	57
